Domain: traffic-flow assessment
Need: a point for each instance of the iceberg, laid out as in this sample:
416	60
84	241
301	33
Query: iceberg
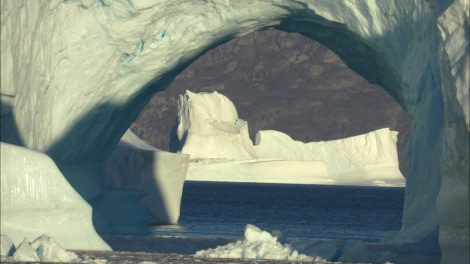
36	199
209	127
208	124
258	244
159	174
42	249
65	91
368	159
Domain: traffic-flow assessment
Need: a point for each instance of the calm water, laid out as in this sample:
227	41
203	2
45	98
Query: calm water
311	211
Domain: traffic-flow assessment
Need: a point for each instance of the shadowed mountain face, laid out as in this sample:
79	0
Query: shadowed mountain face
285	82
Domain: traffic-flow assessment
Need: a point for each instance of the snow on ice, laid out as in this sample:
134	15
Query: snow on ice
258	244
43	248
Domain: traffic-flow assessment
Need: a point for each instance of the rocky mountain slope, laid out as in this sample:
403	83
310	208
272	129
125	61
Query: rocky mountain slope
281	81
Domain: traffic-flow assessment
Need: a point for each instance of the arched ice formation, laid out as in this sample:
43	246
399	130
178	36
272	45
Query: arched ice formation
75	74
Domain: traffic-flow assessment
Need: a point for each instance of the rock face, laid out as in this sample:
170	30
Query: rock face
75	75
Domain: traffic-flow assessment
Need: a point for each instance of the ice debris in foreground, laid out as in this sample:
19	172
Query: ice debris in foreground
43	248
258	244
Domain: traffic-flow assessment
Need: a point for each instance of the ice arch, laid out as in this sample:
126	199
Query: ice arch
75	74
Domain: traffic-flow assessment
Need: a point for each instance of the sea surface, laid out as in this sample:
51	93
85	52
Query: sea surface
217	209
216	213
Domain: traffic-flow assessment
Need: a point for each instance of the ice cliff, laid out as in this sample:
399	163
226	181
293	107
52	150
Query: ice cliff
36	199
211	133
159	174
75	74
209	127
363	159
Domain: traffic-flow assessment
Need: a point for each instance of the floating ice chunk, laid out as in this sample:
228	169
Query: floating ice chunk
48	250
7	246
26	252
258	244
253	234
43	248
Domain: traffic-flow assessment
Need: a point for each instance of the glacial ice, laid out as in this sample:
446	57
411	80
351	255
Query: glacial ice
159	174
209	126
43	249
258	244
36	200
66	92
26	252
367	159
7	246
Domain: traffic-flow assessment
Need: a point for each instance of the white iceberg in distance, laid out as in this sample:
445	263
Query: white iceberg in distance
209	127
217	141
367	159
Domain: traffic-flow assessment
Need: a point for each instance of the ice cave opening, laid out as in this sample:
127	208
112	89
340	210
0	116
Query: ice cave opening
282	81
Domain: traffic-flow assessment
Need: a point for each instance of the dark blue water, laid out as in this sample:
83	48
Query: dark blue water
313	211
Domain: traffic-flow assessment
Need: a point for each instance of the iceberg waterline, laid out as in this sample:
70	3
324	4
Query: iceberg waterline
77	99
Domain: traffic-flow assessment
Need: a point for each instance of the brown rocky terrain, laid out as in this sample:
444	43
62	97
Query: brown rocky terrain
281	81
